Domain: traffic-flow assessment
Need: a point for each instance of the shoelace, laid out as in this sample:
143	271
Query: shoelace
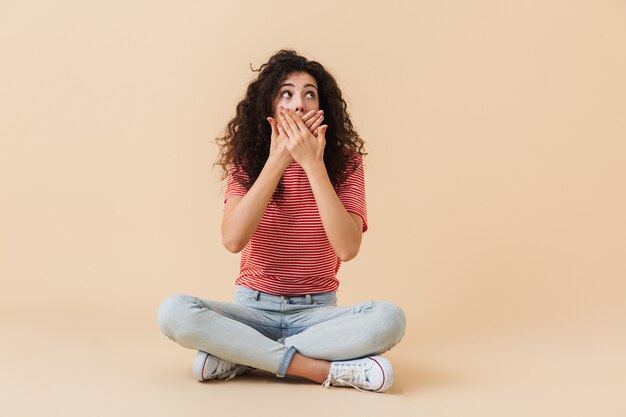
347	375
225	368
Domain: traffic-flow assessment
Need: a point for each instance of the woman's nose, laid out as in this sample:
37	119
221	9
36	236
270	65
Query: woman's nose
298	105
299	108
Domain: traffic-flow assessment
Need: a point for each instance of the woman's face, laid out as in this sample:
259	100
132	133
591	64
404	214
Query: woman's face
298	92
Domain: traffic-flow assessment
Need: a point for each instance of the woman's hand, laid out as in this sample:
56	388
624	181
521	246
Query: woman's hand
278	146
306	149
312	119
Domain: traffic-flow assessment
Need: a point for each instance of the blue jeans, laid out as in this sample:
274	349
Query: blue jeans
264	331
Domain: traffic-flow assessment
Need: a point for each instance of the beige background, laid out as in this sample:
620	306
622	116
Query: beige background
495	183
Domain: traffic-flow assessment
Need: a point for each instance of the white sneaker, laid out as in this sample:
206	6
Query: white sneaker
208	367
372	373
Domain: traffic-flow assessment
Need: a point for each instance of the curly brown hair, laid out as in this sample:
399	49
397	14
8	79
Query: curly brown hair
246	140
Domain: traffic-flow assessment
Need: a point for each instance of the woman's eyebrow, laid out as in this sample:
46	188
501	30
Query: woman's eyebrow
291	85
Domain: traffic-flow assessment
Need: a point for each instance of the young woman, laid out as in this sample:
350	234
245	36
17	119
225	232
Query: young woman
295	207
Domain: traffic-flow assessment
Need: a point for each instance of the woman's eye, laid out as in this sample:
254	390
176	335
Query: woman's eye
311	93
285	92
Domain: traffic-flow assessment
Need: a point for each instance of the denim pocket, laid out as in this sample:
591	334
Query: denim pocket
244	299
325	299
244	295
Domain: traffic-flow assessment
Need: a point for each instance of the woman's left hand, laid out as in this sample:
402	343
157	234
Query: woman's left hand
306	149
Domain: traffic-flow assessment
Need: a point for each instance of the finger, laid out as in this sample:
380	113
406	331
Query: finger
289	124
279	119
309	122
321	135
317	123
283	125
309	115
298	121
282	132
272	123
280	125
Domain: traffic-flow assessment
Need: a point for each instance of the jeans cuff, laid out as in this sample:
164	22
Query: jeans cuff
284	365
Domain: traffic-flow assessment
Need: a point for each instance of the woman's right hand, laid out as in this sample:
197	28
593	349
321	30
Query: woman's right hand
278	146
313	120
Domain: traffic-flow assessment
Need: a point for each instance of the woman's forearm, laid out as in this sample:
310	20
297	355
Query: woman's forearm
240	223
342	231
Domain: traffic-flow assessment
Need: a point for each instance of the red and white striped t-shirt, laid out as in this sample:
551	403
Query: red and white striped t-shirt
289	253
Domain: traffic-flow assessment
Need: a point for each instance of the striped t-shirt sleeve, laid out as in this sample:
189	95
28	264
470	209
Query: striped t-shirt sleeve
233	187
352	192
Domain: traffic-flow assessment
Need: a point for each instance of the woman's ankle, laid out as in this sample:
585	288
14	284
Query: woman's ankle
313	369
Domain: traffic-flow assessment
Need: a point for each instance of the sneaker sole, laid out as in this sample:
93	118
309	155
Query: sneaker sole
199	364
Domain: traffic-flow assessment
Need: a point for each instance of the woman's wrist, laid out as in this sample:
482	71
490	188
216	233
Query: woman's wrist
277	162
314	166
